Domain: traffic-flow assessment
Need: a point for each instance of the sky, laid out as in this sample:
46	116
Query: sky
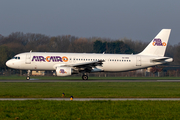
115	19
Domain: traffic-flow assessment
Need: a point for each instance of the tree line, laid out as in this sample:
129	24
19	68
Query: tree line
19	42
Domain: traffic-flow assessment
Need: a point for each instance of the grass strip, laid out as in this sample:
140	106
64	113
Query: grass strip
91	90
39	109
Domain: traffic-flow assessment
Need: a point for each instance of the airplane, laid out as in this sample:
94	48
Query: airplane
66	64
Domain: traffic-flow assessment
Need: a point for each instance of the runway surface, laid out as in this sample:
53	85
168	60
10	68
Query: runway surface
37	80
92	99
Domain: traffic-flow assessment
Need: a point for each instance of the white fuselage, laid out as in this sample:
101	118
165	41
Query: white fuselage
112	62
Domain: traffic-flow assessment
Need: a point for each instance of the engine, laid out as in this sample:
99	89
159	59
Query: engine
63	71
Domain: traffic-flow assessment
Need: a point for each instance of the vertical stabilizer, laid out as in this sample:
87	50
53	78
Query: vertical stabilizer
157	46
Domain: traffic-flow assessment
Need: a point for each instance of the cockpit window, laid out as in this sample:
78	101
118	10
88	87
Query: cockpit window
16	58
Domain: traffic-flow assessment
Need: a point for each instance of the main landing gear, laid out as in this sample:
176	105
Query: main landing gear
28	75
84	77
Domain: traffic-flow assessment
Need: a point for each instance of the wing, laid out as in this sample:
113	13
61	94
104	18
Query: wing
86	66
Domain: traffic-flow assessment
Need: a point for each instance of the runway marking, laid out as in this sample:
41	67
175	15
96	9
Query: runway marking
168	80
92	99
33	79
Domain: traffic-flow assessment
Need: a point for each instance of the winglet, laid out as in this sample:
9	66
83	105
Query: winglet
158	45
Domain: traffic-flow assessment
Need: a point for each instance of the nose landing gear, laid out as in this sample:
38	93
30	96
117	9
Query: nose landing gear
28	75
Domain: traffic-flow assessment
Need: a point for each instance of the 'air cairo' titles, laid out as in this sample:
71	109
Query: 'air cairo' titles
158	42
50	59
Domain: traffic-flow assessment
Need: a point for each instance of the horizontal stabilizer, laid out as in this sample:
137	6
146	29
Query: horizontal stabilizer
162	60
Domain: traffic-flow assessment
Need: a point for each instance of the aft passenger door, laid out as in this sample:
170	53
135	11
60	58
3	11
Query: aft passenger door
138	61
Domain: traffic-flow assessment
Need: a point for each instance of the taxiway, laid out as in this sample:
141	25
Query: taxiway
37	80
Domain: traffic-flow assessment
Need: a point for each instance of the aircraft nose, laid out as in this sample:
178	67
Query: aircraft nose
8	63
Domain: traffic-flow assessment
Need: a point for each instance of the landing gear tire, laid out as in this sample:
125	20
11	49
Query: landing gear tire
85	77
27	78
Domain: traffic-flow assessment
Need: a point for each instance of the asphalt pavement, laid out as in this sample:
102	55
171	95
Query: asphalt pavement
37	80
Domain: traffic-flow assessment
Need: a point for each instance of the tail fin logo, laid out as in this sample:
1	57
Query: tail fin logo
158	42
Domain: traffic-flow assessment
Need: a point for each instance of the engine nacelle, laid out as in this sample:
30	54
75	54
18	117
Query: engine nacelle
63	71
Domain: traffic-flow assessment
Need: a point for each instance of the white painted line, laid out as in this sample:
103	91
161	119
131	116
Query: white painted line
93	99
168	80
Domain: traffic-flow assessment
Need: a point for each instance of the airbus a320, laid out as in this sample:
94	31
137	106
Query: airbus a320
66	64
